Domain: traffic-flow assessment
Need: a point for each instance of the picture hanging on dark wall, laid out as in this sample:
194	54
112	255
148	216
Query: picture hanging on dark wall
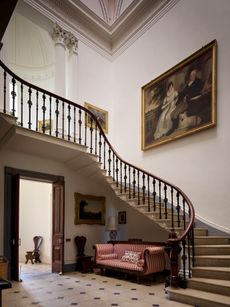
181	101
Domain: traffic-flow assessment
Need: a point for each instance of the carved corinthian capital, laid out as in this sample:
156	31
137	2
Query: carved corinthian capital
72	43
59	35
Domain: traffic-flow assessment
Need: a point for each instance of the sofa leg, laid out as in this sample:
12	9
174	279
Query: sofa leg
102	271
138	278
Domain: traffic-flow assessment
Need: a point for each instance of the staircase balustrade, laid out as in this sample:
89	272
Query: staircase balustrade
47	113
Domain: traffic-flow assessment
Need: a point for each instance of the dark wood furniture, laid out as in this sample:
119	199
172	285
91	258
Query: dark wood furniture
35	254
84	263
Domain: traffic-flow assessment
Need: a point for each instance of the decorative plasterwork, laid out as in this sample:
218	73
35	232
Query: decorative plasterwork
110	40
65	38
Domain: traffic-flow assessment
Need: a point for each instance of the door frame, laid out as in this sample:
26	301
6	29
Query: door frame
11	213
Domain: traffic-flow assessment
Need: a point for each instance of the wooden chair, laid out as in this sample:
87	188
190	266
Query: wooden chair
34	255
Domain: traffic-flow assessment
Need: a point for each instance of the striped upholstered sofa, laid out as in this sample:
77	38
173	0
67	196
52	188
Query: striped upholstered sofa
141	259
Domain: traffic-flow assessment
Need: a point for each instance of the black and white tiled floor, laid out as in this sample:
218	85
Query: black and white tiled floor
42	289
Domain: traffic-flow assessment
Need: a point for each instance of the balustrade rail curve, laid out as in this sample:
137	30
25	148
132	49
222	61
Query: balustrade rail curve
44	112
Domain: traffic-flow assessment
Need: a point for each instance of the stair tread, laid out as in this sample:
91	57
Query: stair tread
214	256
219	282
222	269
213	245
211	237
207	296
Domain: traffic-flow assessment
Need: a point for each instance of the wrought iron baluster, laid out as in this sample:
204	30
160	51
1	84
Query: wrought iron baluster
69	120
114	174
165	201
21	105
120	176
37	95
154	194
178	209
143	188
184	216
30	105
148	193
91	134
117	171
50	115
189	256
184	258
57	116
129	182
109	161
80	125
13	94
4	92
63	119
104	154
193	247
125	177
134	183
160	209
44	113
100	144
95	139
86	119
172	209
74	124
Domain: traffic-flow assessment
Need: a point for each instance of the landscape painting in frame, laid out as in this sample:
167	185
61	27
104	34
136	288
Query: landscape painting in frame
181	101
89	209
100	114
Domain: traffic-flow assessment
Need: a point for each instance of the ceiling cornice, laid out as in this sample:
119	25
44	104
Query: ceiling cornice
108	40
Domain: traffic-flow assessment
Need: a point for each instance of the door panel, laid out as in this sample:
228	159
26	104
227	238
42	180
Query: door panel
15	229
58	227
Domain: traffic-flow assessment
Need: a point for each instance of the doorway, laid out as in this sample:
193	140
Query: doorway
35	219
11	218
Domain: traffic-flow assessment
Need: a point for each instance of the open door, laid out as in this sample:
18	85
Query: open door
15	229
58	227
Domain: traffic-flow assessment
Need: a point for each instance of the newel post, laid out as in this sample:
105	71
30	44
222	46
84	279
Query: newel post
173	250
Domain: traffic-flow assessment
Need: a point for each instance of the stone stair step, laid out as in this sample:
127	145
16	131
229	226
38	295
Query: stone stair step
220	249
198	298
213	260
211	272
210	285
200	231
209	240
166	223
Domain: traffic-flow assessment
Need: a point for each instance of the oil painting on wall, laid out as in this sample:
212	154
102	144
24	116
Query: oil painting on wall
181	101
89	209
100	114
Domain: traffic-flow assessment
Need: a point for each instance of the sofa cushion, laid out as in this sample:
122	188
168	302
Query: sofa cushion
130	256
117	263
108	256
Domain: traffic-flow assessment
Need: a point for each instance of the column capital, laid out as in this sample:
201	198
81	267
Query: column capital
59	35
72	43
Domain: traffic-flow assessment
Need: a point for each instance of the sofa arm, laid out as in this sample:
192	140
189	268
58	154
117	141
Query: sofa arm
154	259
103	249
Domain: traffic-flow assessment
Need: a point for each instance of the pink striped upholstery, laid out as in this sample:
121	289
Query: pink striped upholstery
152	257
117	263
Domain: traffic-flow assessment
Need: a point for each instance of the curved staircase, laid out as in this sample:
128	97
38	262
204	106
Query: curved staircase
192	261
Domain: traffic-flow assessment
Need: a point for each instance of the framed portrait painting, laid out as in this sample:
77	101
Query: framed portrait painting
181	101
89	209
100	114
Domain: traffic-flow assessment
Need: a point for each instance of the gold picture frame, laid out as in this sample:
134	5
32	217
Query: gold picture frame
89	209
100	114
48	125
182	101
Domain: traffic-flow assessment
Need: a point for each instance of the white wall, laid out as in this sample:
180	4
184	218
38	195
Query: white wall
35	217
198	164
85	185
